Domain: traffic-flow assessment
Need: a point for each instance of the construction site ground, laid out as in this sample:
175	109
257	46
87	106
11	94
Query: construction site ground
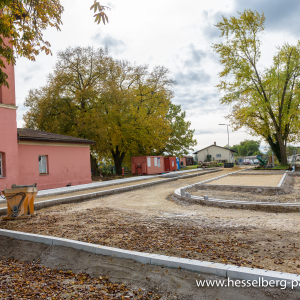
293	197
251	180
41	271
148	220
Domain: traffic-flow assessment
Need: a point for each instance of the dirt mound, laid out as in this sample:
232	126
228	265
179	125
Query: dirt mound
236	168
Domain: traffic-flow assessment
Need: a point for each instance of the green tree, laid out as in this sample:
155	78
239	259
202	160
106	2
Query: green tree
21	28
249	148
123	108
235	148
266	102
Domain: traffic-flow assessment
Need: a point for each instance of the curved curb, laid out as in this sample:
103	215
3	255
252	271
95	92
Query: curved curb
99	194
236	204
222	270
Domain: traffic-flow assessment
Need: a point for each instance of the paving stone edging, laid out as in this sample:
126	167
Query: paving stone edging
102	184
222	270
180	194
99	194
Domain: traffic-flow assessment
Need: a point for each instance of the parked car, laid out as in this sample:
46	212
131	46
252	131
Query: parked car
246	162
256	161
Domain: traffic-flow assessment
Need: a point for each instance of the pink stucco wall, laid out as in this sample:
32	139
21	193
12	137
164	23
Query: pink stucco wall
8	130
65	164
8	147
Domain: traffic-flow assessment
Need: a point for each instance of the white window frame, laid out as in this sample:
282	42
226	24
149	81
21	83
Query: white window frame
1	165
218	155
155	161
158	162
43	162
149	162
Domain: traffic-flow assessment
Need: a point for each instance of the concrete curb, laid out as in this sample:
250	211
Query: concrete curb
282	180
236	204
222	270
99	194
96	185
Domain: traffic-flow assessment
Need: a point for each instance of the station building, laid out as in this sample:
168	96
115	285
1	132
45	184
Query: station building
30	156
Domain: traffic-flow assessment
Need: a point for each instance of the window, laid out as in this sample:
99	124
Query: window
149	162
1	166
218	155
172	163
158	162
43	164
155	161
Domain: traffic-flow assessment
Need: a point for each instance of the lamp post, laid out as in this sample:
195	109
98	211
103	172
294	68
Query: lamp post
228	140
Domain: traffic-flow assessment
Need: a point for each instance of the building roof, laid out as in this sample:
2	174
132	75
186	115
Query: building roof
34	135
215	146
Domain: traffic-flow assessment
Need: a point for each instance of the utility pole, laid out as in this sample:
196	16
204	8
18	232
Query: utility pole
228	141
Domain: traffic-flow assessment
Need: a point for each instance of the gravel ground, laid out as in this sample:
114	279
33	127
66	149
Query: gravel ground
148	220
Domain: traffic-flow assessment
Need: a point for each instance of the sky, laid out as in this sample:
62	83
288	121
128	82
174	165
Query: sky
175	34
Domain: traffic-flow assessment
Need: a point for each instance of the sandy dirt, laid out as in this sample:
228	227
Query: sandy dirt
251	180
111	187
292	197
148	220
100	189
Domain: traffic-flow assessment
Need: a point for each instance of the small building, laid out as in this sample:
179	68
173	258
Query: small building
147	165
189	160
170	164
30	156
215	153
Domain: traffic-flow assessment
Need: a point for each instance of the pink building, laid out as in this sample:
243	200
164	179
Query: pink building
30	156
146	165
182	161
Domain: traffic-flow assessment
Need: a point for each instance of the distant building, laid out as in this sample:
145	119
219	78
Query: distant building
30	156
216	153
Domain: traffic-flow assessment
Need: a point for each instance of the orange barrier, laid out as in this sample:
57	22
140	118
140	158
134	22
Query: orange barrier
20	201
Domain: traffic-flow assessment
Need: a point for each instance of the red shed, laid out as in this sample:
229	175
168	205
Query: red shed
146	165
170	164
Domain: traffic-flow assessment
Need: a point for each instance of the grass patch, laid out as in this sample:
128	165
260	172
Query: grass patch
281	167
191	167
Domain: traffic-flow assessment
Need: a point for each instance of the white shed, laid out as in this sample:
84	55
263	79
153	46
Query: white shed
215	152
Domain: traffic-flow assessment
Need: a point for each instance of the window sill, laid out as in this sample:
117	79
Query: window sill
2	177
43	174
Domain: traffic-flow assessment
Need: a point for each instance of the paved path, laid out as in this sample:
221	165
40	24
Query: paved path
101	184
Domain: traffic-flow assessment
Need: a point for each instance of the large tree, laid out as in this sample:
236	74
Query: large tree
21	28
124	108
266	102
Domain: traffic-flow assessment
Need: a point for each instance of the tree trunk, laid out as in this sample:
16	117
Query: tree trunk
118	159
279	149
275	148
94	166
282	151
